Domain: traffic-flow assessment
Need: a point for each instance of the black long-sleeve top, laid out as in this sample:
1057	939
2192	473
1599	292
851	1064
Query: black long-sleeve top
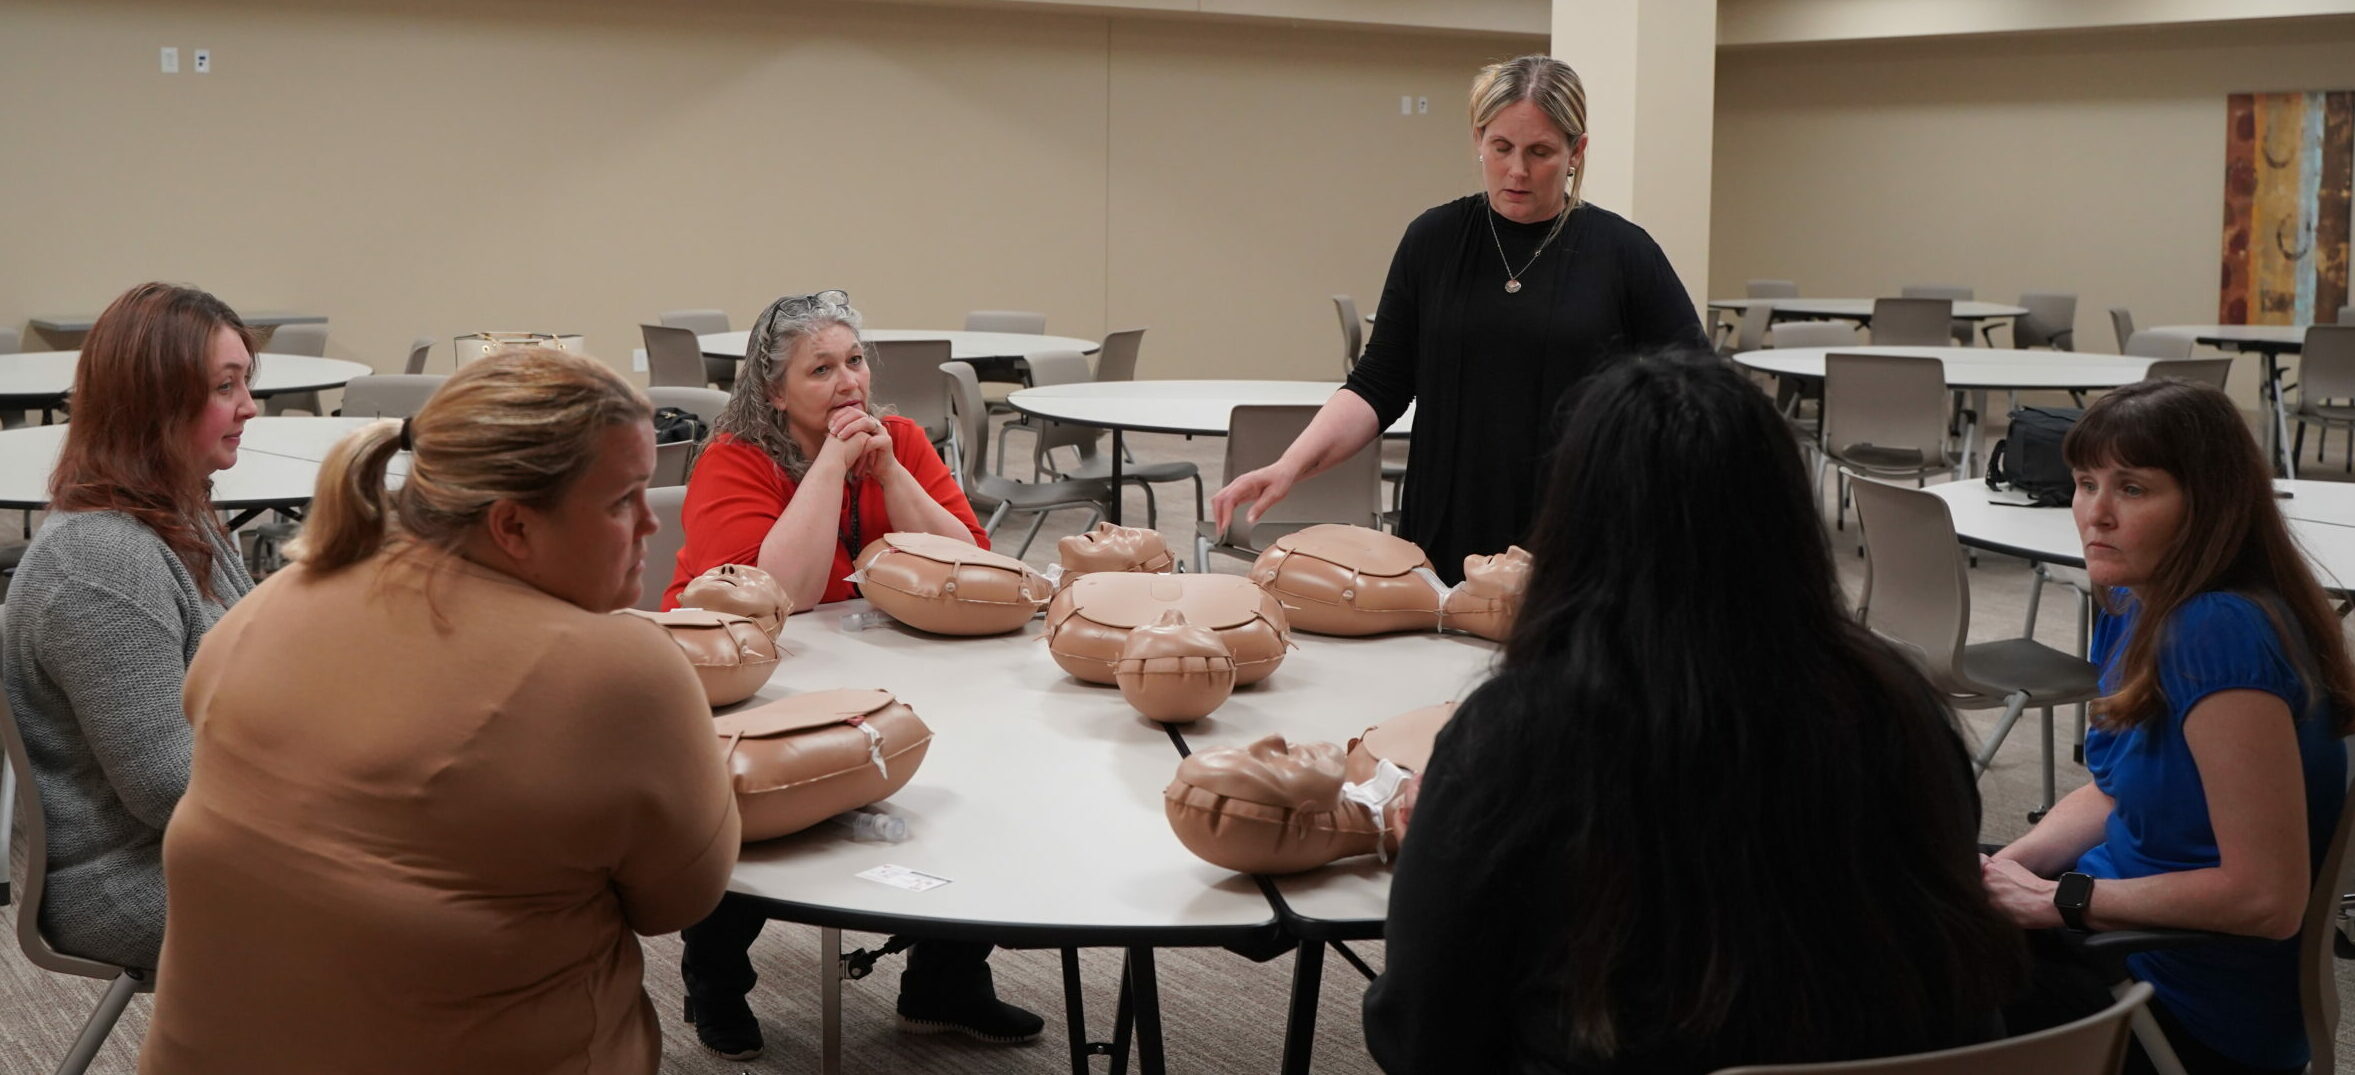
1488	369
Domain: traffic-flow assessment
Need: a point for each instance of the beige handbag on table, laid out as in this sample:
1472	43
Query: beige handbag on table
1089	621
1348	580
732	655
804	759
475	345
949	587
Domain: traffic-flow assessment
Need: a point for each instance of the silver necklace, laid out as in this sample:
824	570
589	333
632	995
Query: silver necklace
1513	279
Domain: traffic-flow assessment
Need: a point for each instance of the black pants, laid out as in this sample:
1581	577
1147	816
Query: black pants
2062	988
718	961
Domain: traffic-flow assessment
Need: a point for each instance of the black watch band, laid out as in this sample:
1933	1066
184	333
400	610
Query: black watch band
2074	897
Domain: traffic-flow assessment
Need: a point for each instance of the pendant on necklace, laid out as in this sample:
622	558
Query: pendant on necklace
1512	287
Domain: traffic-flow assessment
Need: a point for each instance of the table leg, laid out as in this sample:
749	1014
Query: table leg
1147	990
1971	433
1117	448
830	1001
1124	1021
1075	1019
1300	1027
2280	426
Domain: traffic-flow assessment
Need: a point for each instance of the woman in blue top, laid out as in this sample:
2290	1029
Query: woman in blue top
2218	774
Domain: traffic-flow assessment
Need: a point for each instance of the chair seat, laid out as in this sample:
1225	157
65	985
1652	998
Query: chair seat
1099	468
1261	535
1895	458
2050	676
1028	496
2324	412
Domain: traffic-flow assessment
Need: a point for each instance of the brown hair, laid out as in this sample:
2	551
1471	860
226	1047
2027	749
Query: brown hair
521	424
138	385
2233	539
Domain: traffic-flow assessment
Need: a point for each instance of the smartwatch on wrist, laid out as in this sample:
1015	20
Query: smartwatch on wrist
2073	897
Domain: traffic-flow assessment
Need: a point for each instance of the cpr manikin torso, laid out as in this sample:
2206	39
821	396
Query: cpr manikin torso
949	587
1349	580
1281	807
1489	598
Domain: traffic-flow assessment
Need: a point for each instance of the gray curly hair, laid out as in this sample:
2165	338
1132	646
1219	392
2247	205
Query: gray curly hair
750	416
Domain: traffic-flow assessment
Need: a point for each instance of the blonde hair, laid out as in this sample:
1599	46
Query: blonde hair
1544	81
521	424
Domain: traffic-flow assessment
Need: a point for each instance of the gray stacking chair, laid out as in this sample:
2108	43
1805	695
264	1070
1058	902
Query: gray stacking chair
1353	332
672	461
673	357
122	982
2122	323
1912	321
1067	367
1022	321
2051	321
1750	332
668	503
1957	330
308	340
2347	315
1815	334
1116	359
389	395
419	349
1002	496
1350	492
2208	371
1885	416
719	371
2326	372
1770	289
2094	1045
2156	345
906	375
1917	595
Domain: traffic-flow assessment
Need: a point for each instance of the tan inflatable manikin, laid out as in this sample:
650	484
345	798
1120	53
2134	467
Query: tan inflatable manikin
948	587
1271	807
1278	807
1486	601
1114	548
1348	580
802	760
742	589
1173	671
731	654
1089	621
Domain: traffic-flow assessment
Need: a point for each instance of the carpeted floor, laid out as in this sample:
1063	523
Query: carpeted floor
1223	1013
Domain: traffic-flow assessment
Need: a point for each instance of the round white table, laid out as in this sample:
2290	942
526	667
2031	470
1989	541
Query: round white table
1039	801
963	346
2270	342
277	464
1861	310
44	378
1192	408
2321	516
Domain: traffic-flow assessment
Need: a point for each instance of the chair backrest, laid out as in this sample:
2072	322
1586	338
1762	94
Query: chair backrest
310	339
2347	315
11	341
2326	366
968	422
1952	292
2122	323
906	375
1916	593
1350	492
1750	335
29	885
2094	1045
672	356
1353	332
1912	321
1006	321
671	463
704	403
2156	345
1815	334
669	504
2051	321
1062	367
2209	371
1771	289
1116	360
699	322
1886	401
2318	978
419	348
389	395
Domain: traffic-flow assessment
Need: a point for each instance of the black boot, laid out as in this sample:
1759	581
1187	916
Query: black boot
947	987
717	969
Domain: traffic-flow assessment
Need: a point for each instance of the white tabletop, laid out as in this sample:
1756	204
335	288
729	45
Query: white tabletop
2269	337
1192	407
2321	515
1862	309
50	374
1973	367
963	346
85	322
276	462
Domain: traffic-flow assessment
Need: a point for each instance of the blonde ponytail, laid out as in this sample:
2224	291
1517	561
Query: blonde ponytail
350	510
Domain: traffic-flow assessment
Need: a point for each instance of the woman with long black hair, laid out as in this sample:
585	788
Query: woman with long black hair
1701	816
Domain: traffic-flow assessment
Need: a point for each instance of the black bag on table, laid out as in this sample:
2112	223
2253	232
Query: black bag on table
2028	458
672	424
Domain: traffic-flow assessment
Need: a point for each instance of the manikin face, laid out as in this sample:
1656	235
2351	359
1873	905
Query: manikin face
827	370
1526	161
1499	574
2129	519
1273	771
589	547
214	434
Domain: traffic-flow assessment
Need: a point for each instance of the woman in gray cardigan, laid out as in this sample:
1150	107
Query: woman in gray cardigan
120	583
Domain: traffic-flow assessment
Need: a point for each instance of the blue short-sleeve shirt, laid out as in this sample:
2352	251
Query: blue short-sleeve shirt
2239	999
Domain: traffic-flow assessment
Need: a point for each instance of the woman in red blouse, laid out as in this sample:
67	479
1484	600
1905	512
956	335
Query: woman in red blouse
800	475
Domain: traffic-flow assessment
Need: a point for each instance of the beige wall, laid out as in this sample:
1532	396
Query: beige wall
523	164
1782	22
2090	163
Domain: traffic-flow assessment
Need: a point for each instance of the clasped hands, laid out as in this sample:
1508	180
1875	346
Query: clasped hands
859	443
2018	894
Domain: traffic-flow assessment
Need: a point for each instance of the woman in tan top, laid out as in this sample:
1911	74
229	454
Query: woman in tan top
436	788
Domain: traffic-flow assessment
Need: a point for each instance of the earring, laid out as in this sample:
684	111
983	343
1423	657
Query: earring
1479	158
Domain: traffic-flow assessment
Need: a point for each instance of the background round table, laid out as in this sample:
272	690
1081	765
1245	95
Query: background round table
1861	310
1040	798
277	464
963	346
2270	342
43	378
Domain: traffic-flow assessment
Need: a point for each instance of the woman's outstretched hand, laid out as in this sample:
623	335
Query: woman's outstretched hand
1261	489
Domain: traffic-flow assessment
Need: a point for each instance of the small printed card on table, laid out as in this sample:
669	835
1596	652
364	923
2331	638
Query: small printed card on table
903	877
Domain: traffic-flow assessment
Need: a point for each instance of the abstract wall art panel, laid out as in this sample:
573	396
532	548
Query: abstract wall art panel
2288	158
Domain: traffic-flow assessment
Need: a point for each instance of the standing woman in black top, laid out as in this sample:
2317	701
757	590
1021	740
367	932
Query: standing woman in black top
1496	304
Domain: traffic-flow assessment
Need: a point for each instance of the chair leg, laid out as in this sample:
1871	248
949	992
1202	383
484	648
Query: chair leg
1201	554
1037	519
2154	1040
1199	514
2037	814
2297	444
996	517
2011	715
1152	507
2035	596
7	826
101	1023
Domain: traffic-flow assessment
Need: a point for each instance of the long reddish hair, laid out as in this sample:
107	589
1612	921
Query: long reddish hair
139	384
2233	539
